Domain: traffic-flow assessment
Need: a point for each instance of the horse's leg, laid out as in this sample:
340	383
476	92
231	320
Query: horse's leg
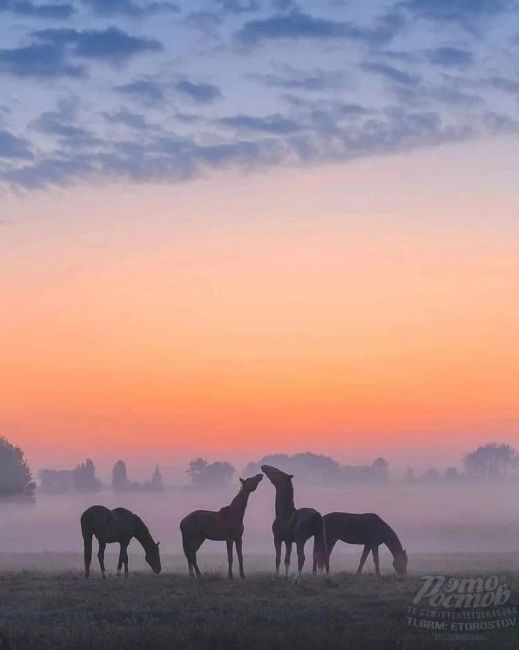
288	553
330	543
300	545
121	560
240	556
125	559
187	553
363	559
195	545
277	546
87	547
374	550
230	542
101	557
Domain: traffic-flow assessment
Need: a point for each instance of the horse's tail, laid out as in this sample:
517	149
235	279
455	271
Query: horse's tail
320	545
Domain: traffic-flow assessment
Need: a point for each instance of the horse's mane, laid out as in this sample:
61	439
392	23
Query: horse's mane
142	531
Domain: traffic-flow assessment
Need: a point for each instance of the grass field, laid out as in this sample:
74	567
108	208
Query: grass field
59	609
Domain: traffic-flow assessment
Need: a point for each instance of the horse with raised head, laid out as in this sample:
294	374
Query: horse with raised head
225	524
367	529
118	525
293	525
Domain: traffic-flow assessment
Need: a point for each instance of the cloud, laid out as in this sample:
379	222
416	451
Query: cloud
143	89
393	74
58	11
464	12
201	93
449	57
239	6
108	44
129	7
272	124
128	118
13	147
61	124
298	25
294	79
44	61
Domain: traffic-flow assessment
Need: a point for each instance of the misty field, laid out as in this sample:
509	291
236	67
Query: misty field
46	603
60	609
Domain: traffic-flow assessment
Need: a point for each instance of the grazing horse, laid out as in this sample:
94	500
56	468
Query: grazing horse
224	525
291	525
118	525
368	529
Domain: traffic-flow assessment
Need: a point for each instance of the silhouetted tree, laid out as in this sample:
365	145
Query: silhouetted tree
84	477
15	474
451	474
380	469
489	462
432	475
206	474
120	481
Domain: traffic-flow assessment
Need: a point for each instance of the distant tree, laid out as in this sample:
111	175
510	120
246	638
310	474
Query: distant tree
84	477
432	475
451	474
120	481
205	474
380	469
489	462
15	474
409	476
56	481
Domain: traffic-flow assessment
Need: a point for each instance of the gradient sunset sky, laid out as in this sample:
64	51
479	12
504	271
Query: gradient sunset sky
239	227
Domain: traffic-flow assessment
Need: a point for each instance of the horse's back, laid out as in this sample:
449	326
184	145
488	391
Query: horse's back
209	524
110	525
93	518
353	528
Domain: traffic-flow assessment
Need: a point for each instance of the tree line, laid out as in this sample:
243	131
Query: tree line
490	462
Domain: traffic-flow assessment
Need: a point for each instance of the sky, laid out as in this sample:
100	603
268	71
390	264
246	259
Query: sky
237	227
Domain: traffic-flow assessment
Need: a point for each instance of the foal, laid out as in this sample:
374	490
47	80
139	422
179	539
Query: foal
224	525
368	529
118	525
291	525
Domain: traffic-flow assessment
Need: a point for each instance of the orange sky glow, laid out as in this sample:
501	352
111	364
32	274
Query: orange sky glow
357	311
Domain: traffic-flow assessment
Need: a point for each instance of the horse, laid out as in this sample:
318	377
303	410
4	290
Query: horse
295	525
368	529
223	525
118	525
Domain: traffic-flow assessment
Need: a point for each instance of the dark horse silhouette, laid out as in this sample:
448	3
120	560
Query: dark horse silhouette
118	525
226	524
368	529
291	525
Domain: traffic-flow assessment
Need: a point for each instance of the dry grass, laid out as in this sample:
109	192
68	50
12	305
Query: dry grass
52	609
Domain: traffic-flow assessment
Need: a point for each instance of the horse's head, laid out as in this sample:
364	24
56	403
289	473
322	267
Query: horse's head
153	557
276	476
250	484
400	563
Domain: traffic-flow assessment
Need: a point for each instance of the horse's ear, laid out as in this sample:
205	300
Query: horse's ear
242	481
290	476
158	544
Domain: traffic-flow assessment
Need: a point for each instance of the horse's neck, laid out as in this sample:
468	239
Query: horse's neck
143	535
285	501
392	542
238	504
